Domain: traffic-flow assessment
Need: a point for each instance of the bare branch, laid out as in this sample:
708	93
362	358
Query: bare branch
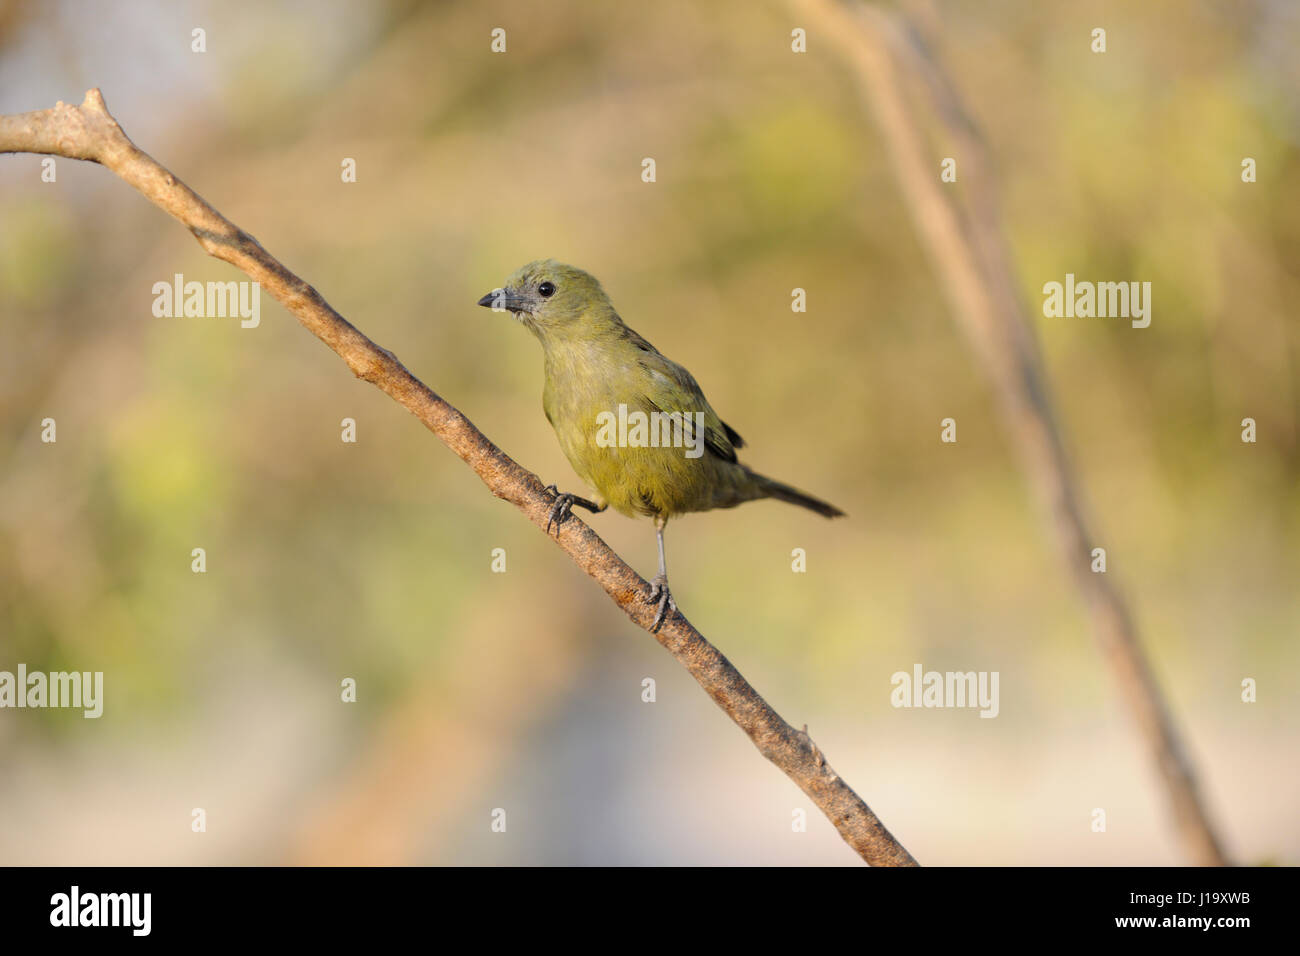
970	255
89	132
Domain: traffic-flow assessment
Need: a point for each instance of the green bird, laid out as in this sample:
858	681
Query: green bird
634	424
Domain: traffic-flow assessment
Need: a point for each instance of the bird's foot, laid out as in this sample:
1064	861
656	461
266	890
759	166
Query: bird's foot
660	594
562	507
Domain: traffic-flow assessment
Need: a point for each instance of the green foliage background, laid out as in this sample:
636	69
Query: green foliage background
522	690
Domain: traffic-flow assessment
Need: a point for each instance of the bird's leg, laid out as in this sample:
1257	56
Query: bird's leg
659	586
563	505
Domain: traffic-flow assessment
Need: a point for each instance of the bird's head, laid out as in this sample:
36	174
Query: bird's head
550	298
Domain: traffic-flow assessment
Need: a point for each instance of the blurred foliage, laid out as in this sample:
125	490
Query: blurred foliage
373	560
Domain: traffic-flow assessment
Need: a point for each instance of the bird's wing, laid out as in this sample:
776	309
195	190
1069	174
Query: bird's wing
681	393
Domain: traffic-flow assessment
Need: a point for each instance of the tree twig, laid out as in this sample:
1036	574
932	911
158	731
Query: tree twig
969	252
90	133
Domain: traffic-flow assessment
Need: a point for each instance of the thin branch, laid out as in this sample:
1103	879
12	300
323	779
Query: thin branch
88	132
969	251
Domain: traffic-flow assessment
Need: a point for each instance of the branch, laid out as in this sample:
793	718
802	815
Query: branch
969	252
88	132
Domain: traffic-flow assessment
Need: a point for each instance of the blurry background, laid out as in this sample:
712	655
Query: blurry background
523	690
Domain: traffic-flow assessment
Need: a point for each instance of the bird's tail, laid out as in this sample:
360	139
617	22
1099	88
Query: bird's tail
772	488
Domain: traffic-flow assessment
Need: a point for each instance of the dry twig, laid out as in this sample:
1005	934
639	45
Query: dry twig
88	132
971	258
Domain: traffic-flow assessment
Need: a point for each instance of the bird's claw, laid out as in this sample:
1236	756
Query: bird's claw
660	594
561	508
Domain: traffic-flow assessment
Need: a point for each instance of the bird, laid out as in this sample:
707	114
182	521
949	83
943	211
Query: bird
634	424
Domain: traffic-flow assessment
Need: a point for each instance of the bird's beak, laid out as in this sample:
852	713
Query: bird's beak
504	300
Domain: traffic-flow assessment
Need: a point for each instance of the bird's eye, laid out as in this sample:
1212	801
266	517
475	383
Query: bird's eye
546	290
